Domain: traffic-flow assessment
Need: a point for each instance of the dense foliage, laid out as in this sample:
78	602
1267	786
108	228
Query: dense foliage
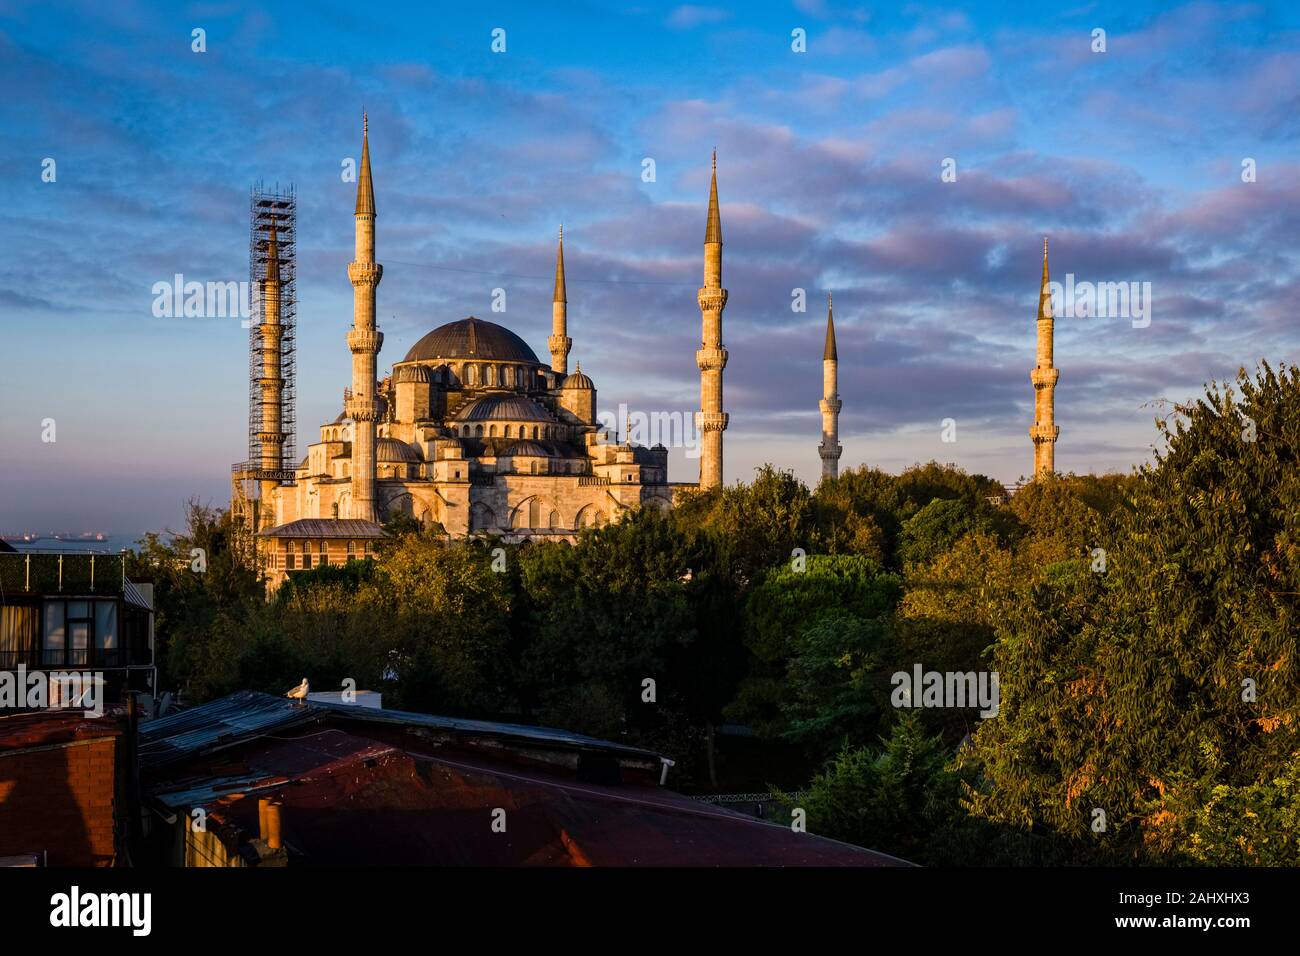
1143	629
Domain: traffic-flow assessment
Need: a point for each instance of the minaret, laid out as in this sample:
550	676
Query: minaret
1044	376
361	402
830	404
271	435
712	357
559	342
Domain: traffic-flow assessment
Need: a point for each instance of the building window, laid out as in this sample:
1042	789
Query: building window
107	646
369	548
288	555
306	555
492	431
17	634
324	554
507	431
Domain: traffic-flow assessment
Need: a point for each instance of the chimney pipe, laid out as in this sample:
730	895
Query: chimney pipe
271	830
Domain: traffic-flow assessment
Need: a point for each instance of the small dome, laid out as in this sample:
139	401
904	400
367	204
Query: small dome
392	450
412	373
578	380
500	406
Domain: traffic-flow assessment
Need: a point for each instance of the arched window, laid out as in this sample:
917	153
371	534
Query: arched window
554	520
507	431
534	431
492	431
478	431
288	555
324	554
306	555
534	519
352	550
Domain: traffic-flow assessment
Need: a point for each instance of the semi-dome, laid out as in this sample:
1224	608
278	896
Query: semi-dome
392	450
472	338
502	406
526	448
412	373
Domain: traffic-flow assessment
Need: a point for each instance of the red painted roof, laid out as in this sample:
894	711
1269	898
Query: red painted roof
351	800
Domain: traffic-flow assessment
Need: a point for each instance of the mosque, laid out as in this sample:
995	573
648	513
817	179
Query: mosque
473	433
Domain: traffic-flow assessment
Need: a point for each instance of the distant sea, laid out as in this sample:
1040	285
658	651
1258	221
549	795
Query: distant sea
112	544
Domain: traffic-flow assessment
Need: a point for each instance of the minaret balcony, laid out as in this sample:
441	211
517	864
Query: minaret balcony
711	360
365	273
711	421
1044	377
832	405
365	340
1044	433
830	452
712	300
559	344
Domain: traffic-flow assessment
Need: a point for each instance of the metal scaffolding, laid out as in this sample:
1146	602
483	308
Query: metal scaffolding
267	206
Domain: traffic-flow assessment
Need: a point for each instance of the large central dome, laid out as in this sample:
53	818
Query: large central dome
472	339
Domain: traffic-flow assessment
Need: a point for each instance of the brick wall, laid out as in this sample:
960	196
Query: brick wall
60	799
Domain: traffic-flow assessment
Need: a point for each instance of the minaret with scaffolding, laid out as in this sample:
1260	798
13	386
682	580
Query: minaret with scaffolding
272	363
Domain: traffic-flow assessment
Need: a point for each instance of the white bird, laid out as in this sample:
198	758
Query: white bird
299	692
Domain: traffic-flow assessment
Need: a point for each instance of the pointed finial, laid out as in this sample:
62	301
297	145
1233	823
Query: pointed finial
829	353
560	294
713	230
1045	292
579	365
365	188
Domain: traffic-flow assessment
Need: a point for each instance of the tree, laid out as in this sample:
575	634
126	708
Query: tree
1169	686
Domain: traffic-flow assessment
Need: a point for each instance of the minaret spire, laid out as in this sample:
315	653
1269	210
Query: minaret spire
361	401
712	356
1044	431
365	188
830	448
559	343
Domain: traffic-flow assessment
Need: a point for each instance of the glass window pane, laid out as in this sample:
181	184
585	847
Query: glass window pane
106	625
79	641
78	610
55	640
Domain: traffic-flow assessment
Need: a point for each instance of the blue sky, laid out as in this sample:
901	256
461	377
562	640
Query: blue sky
829	174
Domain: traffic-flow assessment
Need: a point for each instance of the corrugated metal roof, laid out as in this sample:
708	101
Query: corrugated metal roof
247	714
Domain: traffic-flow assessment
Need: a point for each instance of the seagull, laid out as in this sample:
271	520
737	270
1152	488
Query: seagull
299	692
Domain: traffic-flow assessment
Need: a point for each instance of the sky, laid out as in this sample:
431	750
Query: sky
835	168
